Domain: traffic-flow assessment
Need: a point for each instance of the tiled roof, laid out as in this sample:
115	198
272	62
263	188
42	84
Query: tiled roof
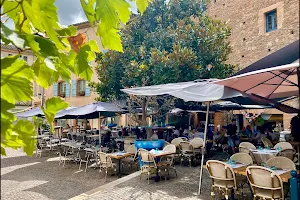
12	47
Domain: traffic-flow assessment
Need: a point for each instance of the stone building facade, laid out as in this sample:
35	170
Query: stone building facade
258	28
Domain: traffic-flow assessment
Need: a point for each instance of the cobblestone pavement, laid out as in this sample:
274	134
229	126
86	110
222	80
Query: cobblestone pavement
24	177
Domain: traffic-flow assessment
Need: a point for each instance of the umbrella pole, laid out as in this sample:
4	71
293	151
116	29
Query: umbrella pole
99	130
298	75
203	148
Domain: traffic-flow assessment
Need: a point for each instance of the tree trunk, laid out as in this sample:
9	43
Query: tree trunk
144	119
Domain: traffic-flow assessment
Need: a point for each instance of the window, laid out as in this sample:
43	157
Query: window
62	89
271	21
81	87
25	58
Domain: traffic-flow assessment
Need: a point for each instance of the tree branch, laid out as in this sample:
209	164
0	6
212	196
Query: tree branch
9	10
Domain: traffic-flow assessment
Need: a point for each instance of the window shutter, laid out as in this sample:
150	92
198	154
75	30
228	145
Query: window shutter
74	86
87	90
67	89
55	87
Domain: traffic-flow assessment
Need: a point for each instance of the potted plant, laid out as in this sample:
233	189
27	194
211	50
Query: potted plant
81	93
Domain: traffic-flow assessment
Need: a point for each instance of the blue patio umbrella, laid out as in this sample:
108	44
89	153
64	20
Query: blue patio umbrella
93	111
30	113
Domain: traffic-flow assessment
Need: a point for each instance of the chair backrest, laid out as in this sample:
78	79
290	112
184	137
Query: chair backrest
131	149
105	161
220	171
283	145
265	182
197	143
183	138
266	142
288	153
185	146
281	162
166	143
176	141
170	148
247	145
242	158
146	157
82	155
244	150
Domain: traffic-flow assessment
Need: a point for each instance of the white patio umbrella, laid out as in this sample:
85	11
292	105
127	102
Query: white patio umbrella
270	83
200	91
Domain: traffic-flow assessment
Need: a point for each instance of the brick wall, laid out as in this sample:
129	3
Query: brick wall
249	40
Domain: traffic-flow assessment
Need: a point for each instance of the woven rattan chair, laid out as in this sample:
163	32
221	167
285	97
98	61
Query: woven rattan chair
247	145
266	142
283	145
281	162
265	183
148	163
132	159
106	164
176	141
186	152
242	158
167	162
288	153
223	178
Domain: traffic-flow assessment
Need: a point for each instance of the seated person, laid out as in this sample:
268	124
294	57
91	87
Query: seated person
248	131
197	134
256	136
106	138
88	126
154	136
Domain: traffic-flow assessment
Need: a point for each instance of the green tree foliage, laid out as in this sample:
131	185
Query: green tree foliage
170	43
58	53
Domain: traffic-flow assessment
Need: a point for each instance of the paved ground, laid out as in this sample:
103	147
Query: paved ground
25	177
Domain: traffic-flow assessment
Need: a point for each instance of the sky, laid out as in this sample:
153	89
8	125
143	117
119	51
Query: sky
71	12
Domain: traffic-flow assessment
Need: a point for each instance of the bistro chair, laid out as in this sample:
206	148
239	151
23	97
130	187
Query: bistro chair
166	143
167	162
223	178
148	165
176	141
84	157
64	155
106	163
131	159
242	158
266	142
247	145
265	183
288	153
283	145
186	152
281	162
197	144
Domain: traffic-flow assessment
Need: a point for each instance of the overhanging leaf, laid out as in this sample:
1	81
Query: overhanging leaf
16	81
53	105
12	36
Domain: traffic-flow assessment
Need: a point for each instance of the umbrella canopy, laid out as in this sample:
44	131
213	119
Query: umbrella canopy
283	56
91	111
274	82
199	91
30	113
63	112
